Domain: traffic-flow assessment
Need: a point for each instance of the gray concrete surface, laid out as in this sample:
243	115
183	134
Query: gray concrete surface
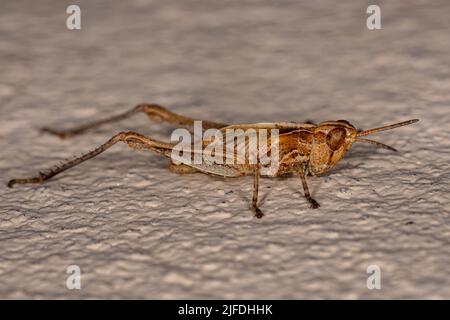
139	231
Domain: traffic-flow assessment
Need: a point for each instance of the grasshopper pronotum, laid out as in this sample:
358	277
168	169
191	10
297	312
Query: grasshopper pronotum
303	148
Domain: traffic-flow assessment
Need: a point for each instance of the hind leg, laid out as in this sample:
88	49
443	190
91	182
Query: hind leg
132	139
153	111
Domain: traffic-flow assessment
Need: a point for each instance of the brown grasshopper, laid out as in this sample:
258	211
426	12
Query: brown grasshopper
302	148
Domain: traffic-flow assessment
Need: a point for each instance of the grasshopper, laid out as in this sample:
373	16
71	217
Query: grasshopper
303	148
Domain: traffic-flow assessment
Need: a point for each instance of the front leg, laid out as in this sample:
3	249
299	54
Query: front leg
314	204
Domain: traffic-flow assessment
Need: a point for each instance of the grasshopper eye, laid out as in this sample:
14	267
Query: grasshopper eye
336	138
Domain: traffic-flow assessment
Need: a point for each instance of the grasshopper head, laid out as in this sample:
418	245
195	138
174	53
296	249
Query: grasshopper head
332	140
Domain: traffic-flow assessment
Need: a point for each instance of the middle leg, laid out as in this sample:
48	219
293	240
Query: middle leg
258	213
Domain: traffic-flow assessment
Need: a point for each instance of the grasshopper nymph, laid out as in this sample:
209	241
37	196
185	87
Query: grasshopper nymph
303	149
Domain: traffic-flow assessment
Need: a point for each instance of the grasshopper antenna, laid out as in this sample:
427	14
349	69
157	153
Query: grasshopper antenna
389	127
374	130
378	144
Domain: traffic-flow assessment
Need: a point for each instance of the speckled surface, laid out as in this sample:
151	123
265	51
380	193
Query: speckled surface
139	231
